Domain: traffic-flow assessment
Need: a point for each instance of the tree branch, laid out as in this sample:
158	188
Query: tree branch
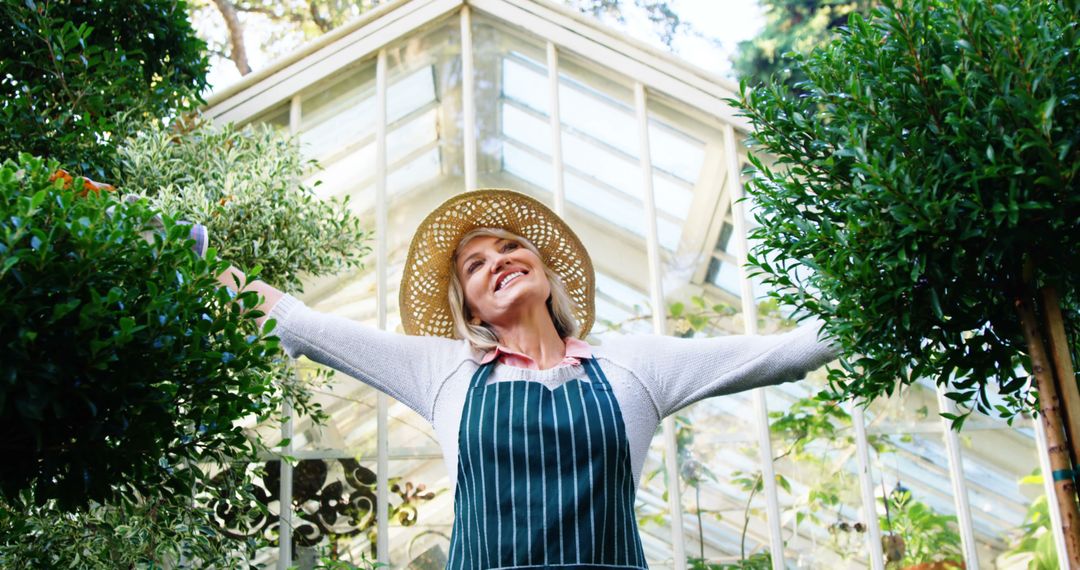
236	35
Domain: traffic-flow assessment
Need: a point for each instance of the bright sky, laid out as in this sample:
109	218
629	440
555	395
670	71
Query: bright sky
720	25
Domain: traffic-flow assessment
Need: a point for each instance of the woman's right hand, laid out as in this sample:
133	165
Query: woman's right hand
268	295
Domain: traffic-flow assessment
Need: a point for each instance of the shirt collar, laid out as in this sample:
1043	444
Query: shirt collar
576	351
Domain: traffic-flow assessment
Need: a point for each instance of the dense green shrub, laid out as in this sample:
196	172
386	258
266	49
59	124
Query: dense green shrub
123	359
68	67
933	155
244	184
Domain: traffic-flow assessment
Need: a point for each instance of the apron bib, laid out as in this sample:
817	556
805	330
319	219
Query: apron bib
544	477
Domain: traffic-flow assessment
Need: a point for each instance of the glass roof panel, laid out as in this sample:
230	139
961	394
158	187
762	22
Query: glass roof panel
423	168
598	115
345	174
527	165
617	305
617	207
672	197
338	114
405	138
674	151
526	82
526	128
409	93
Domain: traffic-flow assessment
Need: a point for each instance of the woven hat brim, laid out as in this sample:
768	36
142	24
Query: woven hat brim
423	298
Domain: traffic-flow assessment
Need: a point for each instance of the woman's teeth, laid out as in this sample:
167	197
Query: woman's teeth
508	279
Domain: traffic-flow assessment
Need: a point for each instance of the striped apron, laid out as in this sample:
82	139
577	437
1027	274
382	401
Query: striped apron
544	477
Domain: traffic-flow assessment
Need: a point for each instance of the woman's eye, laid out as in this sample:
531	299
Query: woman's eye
510	245
473	266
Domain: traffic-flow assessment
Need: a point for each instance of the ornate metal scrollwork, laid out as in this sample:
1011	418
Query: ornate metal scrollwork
331	498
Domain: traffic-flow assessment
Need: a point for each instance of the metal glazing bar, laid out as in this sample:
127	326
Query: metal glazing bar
866	486
652	242
1048	488
468	98
285	526
959	485
285	482
382	485
749	313
558	179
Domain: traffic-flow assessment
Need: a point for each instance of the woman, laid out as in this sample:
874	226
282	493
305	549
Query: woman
544	435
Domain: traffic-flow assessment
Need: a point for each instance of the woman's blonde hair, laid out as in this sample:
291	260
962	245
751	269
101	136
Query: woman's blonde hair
482	337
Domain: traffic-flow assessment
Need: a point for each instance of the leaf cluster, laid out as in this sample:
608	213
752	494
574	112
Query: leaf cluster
124	358
165	530
1037	536
932	154
927	536
245	186
792	27
68	67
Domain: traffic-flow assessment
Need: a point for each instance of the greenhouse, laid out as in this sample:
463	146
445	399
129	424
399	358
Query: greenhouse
644	156
809	302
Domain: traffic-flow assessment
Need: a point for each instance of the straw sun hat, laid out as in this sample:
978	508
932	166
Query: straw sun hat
425	308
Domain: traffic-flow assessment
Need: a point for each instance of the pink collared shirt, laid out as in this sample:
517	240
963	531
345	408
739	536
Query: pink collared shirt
576	350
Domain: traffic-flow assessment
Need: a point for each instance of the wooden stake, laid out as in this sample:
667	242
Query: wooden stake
1063	368
1057	448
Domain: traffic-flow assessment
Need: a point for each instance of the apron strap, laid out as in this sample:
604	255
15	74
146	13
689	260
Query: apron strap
596	374
480	377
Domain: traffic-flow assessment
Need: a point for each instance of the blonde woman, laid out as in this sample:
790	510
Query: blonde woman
543	434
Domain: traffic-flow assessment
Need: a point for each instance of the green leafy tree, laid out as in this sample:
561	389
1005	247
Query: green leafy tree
924	189
792	26
68	67
123	357
247	191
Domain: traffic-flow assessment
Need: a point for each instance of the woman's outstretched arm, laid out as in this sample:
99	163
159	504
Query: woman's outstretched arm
408	368
269	295
681	371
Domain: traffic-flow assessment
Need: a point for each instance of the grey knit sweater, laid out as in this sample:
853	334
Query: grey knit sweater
651	376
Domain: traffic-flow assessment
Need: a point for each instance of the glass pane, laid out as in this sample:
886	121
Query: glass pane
911	474
276	118
1005	490
338	114
816	464
719	471
724	275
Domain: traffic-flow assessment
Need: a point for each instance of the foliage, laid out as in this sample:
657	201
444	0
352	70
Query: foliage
926	535
756	561
796	26
123	357
68	67
933	155
1037	538
244	185
160	530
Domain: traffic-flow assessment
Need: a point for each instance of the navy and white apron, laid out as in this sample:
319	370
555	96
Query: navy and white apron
544	477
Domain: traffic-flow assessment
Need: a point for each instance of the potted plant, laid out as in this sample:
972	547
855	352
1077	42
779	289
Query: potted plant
915	537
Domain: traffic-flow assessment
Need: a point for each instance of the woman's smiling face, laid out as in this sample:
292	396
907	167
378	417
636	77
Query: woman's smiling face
500	278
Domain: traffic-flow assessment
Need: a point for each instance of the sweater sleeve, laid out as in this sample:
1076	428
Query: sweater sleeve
407	368
680	371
